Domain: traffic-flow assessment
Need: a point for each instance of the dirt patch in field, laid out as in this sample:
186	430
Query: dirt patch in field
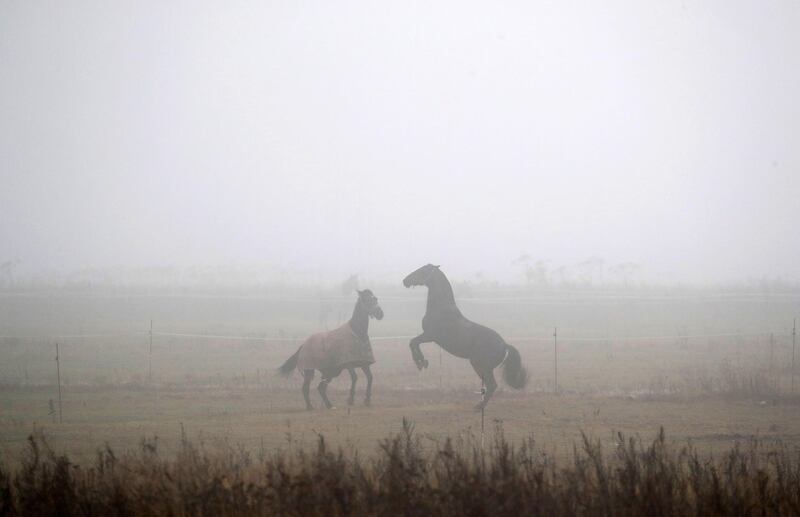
274	418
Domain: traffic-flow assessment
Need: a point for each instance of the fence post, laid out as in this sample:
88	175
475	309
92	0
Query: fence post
555	360
794	335
58	377
440	368
150	356
771	350
483	410
775	378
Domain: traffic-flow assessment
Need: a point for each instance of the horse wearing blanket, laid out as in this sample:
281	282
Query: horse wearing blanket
346	347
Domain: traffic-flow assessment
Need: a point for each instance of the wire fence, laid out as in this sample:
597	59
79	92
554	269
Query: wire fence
555	297
206	360
175	337
267	339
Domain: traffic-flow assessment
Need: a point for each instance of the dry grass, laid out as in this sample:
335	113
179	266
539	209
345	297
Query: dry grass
452	477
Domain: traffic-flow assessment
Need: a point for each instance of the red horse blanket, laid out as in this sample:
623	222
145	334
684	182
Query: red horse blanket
334	349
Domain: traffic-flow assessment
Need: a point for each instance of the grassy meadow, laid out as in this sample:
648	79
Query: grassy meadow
713	368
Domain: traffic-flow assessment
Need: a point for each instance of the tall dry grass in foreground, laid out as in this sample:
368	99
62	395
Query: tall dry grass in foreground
450	477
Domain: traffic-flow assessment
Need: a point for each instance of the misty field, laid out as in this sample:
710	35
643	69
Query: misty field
712	368
711	365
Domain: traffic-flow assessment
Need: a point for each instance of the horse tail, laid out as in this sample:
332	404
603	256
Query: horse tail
290	365
514	373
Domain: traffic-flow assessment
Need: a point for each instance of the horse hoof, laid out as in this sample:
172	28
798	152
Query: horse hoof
367	403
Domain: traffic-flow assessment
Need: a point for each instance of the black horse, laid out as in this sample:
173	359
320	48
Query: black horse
346	347
444	324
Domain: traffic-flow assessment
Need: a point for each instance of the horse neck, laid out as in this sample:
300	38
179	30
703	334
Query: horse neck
440	293
360	320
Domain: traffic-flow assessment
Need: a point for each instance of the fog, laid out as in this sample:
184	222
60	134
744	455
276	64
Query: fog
370	138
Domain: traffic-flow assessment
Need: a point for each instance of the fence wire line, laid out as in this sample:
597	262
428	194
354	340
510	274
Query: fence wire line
548	339
556	299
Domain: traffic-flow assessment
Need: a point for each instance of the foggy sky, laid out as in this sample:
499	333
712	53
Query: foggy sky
373	137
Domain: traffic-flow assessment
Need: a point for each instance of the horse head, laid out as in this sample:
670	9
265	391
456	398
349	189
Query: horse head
370	303
421	276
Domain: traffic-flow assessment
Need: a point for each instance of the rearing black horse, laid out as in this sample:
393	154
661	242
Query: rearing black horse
444	324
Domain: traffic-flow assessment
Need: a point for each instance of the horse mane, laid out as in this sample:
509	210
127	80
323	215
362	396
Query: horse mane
445	286
440	291
359	319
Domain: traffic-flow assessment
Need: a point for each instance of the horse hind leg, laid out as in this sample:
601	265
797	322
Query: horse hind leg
353	379
489	383
323	389
308	376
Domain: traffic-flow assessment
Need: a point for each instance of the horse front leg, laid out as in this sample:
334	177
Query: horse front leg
368	374
416	353
353	379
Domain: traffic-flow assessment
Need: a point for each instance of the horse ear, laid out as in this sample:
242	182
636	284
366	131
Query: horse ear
437	267
359	292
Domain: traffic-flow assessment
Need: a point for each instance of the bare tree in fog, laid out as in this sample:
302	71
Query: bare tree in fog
624	271
7	270
350	284
591	270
